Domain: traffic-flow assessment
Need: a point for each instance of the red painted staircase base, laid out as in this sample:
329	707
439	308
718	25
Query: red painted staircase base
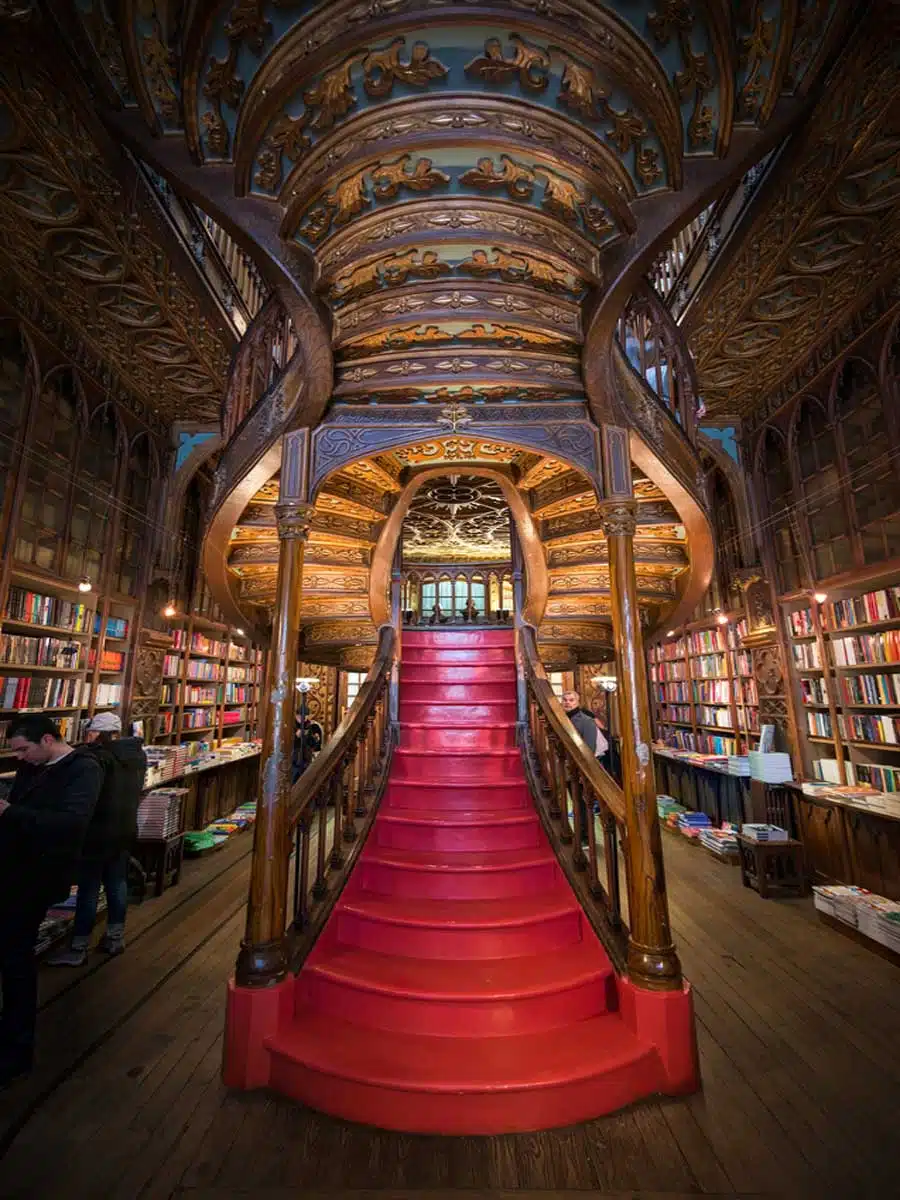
457	987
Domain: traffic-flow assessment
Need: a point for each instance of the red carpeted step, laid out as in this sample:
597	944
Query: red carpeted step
417	793
458	656
457	765
467	673
416	735
425	692
441	639
457	929
459	876
413	829
494	997
463	713
462	1085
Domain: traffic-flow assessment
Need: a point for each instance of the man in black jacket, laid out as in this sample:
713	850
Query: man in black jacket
42	827
108	841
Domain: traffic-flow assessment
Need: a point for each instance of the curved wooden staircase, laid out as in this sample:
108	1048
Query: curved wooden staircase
458	987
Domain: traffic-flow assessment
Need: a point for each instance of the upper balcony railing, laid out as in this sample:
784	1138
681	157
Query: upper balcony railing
679	272
262	356
656	350
231	276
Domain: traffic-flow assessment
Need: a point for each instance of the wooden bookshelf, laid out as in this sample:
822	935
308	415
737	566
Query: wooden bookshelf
211	673
702	688
851	704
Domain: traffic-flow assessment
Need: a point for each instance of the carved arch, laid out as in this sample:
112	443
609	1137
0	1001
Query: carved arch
536	577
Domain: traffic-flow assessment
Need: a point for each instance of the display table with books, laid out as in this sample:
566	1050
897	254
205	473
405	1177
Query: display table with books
715	784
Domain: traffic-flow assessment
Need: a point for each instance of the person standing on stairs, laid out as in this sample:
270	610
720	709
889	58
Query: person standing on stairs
590	733
108	842
43	823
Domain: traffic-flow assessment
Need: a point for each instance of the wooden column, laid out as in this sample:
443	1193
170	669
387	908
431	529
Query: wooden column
652	960
262	961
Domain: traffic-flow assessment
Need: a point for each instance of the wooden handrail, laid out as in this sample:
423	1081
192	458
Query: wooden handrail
561	767
347	776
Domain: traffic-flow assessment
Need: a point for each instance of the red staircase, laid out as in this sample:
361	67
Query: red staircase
457	987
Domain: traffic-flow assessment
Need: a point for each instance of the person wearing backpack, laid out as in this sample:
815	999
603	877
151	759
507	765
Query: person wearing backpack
108	842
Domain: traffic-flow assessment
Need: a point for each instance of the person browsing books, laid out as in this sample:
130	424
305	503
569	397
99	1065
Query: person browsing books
43	823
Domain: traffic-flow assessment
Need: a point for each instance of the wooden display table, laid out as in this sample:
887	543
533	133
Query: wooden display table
768	866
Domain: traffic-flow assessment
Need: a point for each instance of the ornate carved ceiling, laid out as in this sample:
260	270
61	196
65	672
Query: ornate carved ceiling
456	173
822	240
91	253
457	518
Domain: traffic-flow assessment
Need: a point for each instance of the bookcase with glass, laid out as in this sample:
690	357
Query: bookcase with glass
845	648
702	688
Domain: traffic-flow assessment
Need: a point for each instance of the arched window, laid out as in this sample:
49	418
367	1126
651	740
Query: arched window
506	593
13	383
872	480
429	595
478	598
137	499
42	522
493	591
460	594
820	484
445	593
93	496
778	489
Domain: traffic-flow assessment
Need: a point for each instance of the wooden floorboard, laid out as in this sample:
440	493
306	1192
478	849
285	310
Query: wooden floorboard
796	1031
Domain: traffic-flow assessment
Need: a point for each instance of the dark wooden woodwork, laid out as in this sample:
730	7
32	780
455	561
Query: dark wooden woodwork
773	866
652	958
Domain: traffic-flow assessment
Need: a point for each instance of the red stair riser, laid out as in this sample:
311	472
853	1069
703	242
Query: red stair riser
411	793
456	637
457	943
436	737
475	1113
432	673
390	880
465	714
403	835
451	1017
449	768
458	656
456	693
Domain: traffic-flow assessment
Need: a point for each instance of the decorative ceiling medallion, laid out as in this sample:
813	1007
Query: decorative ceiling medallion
460	518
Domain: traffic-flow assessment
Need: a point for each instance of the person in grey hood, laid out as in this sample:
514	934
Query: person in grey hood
108	842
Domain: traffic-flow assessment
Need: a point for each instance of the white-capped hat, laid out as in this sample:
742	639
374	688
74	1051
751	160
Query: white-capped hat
105	722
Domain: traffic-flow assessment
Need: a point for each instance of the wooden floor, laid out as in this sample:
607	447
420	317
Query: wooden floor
798	1040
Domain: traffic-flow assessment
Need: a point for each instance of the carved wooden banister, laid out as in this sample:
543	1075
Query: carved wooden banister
262	356
344	780
658	354
561	767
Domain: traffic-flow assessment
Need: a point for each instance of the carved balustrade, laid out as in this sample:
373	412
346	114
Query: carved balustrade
333	799
580	804
262	357
659	356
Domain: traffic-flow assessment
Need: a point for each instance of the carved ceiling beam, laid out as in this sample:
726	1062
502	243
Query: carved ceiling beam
479	369
460	299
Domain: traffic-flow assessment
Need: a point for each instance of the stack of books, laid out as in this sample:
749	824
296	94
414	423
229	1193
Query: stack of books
159	814
669	810
874	916
764	833
721	842
691	823
770	768
738	764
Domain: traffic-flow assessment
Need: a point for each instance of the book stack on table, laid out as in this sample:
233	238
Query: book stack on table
764	833
690	824
669	811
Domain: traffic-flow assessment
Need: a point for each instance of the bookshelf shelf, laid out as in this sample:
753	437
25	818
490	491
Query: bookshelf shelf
44	630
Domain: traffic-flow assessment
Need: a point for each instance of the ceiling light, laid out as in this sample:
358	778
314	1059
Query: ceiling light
170	610
722	618
239	632
84	584
670	633
820	597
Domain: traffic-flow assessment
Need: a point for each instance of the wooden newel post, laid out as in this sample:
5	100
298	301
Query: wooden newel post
652	959
261	961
